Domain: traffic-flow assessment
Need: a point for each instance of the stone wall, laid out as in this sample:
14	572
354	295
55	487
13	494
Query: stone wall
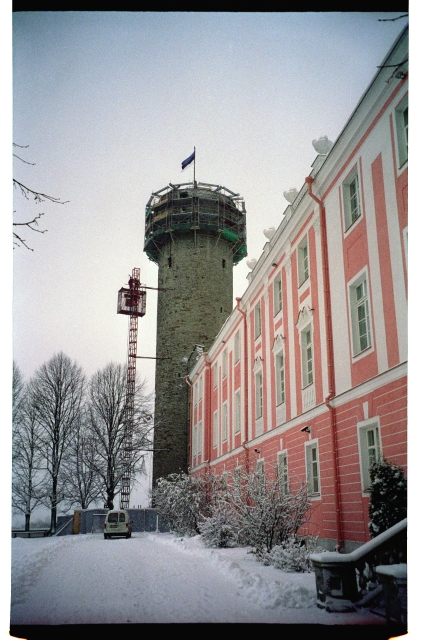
195	298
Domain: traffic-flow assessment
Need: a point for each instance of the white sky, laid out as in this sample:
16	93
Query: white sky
110	104
157	578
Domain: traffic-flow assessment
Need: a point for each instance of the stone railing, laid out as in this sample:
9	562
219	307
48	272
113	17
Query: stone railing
351	581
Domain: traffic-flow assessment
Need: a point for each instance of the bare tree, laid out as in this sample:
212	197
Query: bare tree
82	485
37	197
28	480
18	386
107	398
58	387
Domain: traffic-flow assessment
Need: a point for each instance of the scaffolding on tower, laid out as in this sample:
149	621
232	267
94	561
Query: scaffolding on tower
132	302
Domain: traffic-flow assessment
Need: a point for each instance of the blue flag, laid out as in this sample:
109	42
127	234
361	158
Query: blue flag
188	160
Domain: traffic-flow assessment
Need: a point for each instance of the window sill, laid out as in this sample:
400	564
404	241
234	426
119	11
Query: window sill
363	352
303	282
314	496
352	224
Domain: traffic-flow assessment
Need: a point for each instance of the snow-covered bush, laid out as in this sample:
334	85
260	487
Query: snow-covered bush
251	509
388	498
220	529
179	499
292	555
265	513
232	509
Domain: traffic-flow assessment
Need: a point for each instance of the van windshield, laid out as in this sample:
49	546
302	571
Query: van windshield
112	517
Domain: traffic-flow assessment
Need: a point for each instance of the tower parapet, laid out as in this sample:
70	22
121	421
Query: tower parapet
195	207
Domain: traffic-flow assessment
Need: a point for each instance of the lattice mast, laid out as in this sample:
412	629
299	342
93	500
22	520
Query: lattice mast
132	302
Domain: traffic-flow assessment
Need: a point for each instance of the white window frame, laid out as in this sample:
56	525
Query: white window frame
278	295
280	377
370	450
312	468
237	347
260	466
307	348
303	261
194	444
237	411
215	375
200	396
360	314
195	391
283	472
225	421
352	204
258	320
259	393
401	123
215	429
200	438
225	363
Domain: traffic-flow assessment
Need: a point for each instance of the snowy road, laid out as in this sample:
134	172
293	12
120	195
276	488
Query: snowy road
156	578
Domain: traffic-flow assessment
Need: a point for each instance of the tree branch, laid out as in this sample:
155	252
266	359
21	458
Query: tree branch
38	197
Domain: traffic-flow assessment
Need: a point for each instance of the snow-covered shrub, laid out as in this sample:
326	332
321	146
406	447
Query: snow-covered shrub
292	555
220	529
263	513
244	509
178	498
388	498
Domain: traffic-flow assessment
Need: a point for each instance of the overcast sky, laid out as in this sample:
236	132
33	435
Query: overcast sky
108	105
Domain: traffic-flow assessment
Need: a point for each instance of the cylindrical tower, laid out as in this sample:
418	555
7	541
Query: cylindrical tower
195	232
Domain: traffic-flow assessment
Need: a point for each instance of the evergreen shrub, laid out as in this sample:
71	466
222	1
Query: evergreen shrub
388	498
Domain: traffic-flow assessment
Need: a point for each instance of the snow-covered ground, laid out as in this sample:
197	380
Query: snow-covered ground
157	578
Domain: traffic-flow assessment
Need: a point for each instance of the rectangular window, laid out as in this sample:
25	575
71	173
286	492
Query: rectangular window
215	428
283	473
237	411
195	394
401	120
199	438
360	316
312	468
307	357
279	366
351	199
225	364
194	444
200	388
225	421
370	451
258	394
258	327
303	261
215	375
260	467
237	347
278	295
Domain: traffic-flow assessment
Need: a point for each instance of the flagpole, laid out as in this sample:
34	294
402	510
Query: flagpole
194	166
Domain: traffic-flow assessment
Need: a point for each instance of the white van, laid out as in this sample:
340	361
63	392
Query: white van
117	523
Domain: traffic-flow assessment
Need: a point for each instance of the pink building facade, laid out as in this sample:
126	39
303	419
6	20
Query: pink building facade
309	373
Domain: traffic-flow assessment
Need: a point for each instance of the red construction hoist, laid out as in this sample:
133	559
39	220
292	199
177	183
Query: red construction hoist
132	302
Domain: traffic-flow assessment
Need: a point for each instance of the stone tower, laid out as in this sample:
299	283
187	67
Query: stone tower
195	232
